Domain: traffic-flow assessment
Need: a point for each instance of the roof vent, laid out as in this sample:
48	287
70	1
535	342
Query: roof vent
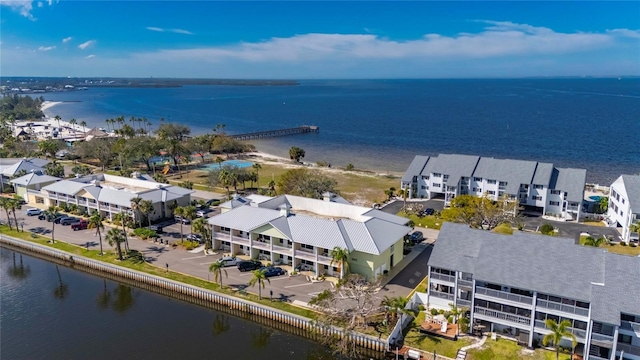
285	209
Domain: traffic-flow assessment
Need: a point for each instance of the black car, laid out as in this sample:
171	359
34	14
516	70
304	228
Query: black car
273	271
429	211
416	237
68	220
42	217
58	219
157	228
249	265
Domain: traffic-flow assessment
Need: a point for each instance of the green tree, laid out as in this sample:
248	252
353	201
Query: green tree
296	153
635	227
303	182
13	205
340	257
146	207
479	212
95	222
125	221
558	332
217	268
173	136
202	227
459	316
84	127
51	214
5	204
227	179
404	193
82	170
219	161
259	278
184	212
116	237
396	305
603	205
595	242
136	204
390	192
55	169
49	148
547	229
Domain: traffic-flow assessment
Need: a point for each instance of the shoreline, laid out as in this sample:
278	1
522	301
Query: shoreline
46	105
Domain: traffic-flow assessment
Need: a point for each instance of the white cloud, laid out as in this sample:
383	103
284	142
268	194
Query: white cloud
46	48
177	31
625	33
86	44
24	7
90	56
67	39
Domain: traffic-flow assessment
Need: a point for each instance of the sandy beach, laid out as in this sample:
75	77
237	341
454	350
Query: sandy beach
49	104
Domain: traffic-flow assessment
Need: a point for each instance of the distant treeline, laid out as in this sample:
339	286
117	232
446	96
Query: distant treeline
42	82
16	107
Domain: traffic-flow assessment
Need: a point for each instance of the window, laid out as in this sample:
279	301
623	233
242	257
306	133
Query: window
554	203
305	246
500	193
423	187
539	187
613	193
491	192
536	197
445	178
436	185
503	183
623	200
618	197
477	179
425	177
437	175
555	192
491	182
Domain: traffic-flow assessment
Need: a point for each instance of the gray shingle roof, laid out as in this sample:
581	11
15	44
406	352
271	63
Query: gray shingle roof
571	181
513	172
454	165
545	264
543	174
632	187
415	168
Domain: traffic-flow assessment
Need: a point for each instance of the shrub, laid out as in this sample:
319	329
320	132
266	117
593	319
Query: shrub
546	229
434	312
188	245
421	307
623	243
322	163
144	233
349	167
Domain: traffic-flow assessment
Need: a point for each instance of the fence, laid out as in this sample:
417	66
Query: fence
306	327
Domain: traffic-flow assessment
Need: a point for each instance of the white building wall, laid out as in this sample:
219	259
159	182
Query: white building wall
619	210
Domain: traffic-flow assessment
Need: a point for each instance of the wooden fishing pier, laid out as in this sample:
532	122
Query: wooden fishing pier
276	133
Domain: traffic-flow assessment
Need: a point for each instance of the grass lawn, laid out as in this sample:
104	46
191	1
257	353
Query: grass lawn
594	223
504	229
430	221
136	263
507	349
414	338
616	248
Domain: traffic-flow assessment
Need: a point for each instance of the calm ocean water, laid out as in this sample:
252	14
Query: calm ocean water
53	312
382	124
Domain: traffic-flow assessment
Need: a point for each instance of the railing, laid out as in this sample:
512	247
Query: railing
630	325
467	283
325	259
260	245
601	340
628	349
441	295
240	240
504	295
36	192
443	277
283	249
595	357
463	303
579	333
222	236
503	316
562	307
181	291
305	255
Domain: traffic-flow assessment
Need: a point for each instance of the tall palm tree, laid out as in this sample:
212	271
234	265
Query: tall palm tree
116	237
51	214
135	206
84	127
202	227
219	161
217	268
4	203
259	278
179	212
257	167
340	256
95	222
73	123
58	118
146	207
458	314
125	220
404	193
396	305
14	204
185	212
558	331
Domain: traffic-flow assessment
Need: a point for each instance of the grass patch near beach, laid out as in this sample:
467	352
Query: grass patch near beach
616	248
136	263
416	339
430	221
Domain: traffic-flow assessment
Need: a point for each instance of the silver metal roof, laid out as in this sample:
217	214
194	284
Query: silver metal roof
67	187
244	218
32	179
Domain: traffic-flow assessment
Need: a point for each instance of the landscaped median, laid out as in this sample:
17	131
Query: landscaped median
136	262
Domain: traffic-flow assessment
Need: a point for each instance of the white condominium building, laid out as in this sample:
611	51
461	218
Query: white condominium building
624	205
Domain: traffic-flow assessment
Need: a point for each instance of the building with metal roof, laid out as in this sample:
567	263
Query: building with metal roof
112	194
302	232
624	206
11	167
539	186
512	283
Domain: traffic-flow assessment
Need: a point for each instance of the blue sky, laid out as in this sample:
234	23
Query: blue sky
316	40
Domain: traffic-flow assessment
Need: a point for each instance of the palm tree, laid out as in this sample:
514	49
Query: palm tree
202	227
146	207
257	167
84	127
73	123
458	314
95	221
116	237
258	278
340	256
558	331
179	212
272	187
397	305
51	214
58	118
14	204
125	220
590	241
217	268
4	203
135	206
219	161
603	204
404	193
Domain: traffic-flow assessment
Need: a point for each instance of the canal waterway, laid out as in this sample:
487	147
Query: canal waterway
49	311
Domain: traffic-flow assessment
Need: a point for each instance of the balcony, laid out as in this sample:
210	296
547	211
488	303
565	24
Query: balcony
513	318
579	333
282	249
465	283
504	295
441	295
240	240
221	236
261	245
463	303
562	307
628	349
443	277
630	325
325	259
305	255
602	340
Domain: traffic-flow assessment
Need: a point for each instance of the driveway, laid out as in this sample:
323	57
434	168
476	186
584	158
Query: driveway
396	205
570	229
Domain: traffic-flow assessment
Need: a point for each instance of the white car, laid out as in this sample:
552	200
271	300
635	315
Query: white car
33	212
229	260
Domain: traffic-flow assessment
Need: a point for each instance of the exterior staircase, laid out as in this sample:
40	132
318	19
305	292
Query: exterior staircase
462	355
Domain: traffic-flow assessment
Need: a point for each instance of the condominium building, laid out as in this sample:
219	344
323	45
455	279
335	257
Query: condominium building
11	167
300	231
112	194
624	205
512	283
538	186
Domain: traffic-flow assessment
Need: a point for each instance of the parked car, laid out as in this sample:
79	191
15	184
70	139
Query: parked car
416	237
229	260
42	216
194	237
203	212
80	225
33	212
68	220
212	202
272	271
157	228
58	219
249	265
183	220
304	267
429	211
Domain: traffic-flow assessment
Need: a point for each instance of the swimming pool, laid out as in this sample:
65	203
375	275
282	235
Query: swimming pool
595	198
240	164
